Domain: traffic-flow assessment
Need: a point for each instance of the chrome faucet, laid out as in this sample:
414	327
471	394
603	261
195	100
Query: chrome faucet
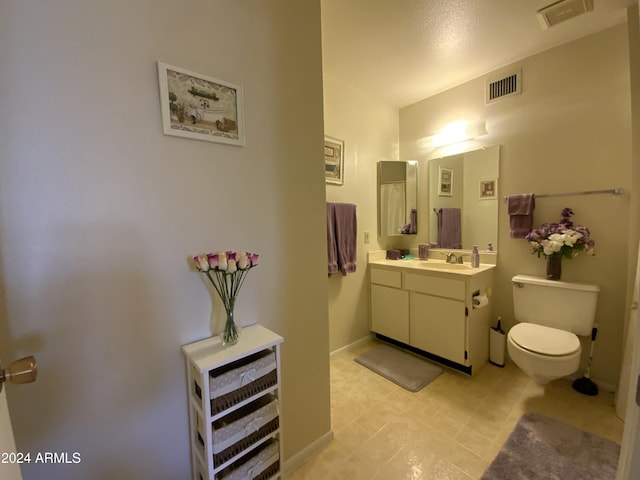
451	257
463	255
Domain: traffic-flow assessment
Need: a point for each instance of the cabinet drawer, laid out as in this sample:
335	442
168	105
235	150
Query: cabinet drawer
386	277
432	285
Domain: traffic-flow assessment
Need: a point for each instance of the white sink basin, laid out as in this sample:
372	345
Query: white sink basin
445	266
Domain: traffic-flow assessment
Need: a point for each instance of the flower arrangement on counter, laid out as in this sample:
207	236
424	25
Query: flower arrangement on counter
227	272
564	238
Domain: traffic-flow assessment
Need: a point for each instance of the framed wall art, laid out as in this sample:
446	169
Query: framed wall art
333	161
200	107
445	182
488	189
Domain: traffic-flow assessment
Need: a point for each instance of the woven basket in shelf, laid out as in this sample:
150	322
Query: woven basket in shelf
230	452
218	404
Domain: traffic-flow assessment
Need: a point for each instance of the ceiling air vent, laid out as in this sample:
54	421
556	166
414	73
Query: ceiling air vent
503	85
561	11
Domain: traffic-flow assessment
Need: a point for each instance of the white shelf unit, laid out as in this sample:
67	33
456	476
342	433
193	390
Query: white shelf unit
234	404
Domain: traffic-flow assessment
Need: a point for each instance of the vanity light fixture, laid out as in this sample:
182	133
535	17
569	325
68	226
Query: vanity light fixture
459	131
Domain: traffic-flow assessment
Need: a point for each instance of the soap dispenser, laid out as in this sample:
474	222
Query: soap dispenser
475	257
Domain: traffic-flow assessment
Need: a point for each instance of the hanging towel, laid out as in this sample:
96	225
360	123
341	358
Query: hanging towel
520	208
332	252
411	228
449	228
342	236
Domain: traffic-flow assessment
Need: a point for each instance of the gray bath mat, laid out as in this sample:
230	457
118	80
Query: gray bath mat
543	448
400	367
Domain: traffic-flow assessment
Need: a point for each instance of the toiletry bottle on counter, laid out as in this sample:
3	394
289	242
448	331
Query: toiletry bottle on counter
475	257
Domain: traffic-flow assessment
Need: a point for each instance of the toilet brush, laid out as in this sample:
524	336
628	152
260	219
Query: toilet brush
585	385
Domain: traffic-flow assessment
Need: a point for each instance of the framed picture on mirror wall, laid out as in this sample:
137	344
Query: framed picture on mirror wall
488	189
445	182
333	160
200	107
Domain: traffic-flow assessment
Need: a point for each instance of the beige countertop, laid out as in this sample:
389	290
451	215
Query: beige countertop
431	265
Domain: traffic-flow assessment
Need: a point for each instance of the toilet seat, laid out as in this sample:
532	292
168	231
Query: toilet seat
544	340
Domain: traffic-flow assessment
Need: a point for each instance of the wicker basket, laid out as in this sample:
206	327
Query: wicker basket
262	464
240	424
233	450
221	403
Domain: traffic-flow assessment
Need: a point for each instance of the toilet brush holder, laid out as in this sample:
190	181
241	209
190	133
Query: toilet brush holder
496	345
585	385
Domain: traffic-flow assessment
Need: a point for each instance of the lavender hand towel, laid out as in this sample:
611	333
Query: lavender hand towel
450	228
346	233
520	209
332	252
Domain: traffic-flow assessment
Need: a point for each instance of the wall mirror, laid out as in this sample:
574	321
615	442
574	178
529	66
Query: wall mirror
397	198
463	199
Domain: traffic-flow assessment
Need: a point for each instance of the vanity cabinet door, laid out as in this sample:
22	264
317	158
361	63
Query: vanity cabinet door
390	312
437	325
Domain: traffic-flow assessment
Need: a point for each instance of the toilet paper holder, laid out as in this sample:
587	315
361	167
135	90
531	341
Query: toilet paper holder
479	300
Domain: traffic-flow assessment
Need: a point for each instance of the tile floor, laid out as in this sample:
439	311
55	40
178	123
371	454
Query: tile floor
451	429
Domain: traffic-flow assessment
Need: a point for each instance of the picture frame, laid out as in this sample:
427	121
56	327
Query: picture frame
445	182
333	161
488	189
200	107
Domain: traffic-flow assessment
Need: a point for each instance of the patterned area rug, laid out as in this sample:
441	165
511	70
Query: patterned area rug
402	368
541	448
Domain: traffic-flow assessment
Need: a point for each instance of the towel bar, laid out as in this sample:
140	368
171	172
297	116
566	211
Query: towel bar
612	191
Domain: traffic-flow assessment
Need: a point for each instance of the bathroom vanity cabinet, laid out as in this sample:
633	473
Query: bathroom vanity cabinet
233	396
389	305
432	310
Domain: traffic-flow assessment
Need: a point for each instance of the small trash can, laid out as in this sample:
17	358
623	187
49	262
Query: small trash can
496	344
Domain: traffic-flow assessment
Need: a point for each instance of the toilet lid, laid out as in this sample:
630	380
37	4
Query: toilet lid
544	340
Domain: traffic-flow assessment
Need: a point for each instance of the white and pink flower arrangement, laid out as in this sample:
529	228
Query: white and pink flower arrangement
227	271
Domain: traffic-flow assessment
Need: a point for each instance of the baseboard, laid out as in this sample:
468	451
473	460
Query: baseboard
602	385
353	345
605	385
299	458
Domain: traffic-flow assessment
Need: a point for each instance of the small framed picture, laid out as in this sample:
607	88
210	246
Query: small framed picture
445	182
200	107
488	189
333	160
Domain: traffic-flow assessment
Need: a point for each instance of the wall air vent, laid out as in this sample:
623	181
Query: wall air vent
561	11
503	85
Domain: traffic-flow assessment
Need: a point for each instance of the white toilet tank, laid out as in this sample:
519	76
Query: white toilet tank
563	305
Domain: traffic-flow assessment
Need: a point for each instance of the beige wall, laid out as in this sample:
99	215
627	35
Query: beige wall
369	129
569	131
99	213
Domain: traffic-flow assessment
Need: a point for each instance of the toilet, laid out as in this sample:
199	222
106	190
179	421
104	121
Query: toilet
551	315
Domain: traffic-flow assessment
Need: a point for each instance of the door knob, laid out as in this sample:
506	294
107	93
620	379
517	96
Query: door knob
24	370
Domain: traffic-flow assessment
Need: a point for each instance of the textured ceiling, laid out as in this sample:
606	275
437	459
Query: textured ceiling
405	50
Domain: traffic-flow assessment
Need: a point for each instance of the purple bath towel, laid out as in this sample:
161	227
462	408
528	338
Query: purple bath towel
520	209
411	228
449	228
342	236
332	252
